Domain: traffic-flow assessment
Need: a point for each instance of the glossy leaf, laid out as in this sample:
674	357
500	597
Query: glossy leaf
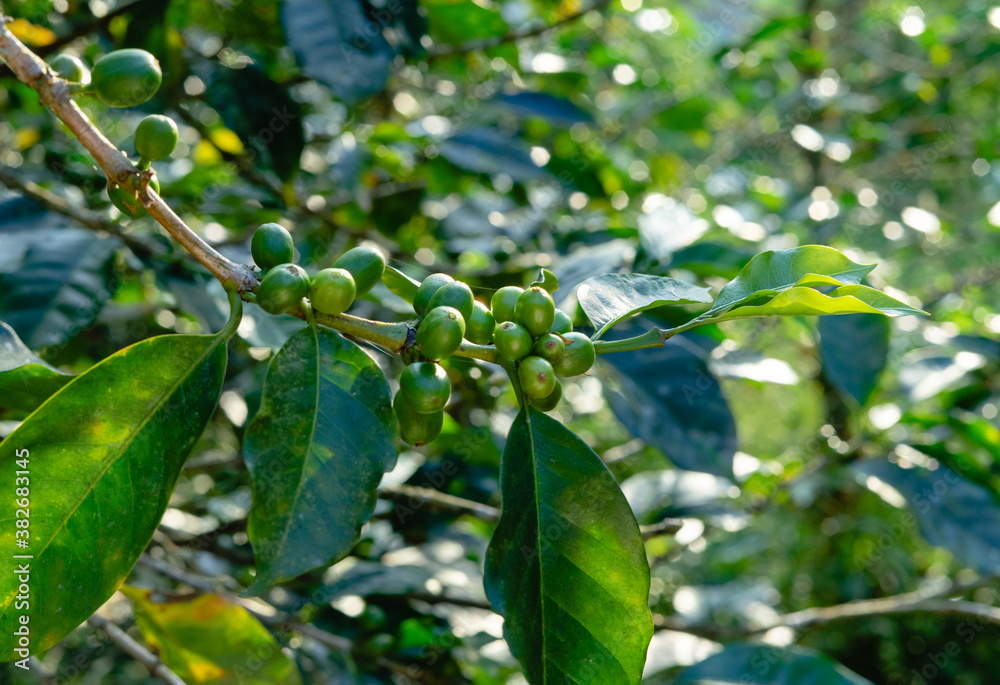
805	301
25	380
777	270
611	298
60	286
669	398
952	512
105	453
853	350
755	664
316	450
336	45
399	283
211	641
566	566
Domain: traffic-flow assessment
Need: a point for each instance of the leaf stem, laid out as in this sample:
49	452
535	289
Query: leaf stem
235	316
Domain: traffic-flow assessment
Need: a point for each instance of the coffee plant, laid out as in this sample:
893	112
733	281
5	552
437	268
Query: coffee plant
322	344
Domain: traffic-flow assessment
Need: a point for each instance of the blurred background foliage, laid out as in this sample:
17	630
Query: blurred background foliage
488	139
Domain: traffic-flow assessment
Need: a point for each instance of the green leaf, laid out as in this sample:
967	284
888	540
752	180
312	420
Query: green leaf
25	380
211	641
952	512
104	455
611	298
59	288
804	301
777	270
316	451
566	566
750	664
670	399
854	349
400	284
547	280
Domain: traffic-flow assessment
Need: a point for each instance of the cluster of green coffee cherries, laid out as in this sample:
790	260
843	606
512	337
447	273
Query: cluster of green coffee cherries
125	78
523	324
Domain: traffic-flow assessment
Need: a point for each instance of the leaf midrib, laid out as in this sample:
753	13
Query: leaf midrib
128	441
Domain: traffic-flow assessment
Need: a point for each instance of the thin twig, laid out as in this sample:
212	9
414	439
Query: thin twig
85	218
135	650
488	43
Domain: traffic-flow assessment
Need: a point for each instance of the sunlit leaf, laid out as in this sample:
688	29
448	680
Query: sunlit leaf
104	455
208	640
803	301
566	566
399	283
750	664
611	298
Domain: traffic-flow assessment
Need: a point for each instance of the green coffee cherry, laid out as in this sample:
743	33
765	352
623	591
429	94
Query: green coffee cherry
512	340
455	294
535	310
125	78
480	326
366	264
126	201
283	288
427	289
332	291
549	402
578	357
156	137
70	68
425	387
562	322
440	333
504	302
271	245
549	347
538	378
416	429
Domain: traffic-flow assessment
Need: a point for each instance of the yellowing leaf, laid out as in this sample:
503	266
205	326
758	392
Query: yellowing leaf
31	34
226	140
26	137
209	640
205	153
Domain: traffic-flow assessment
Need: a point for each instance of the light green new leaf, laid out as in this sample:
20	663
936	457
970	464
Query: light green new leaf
566	566
211	641
316	451
610	298
400	284
25	380
547	280
800	301
104	454
777	270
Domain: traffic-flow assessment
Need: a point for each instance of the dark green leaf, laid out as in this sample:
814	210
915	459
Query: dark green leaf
25	380
668	398
953	513
105	453
558	110
208	639
853	350
749	664
338	46
611	298
566	566
774	271
262	114
399	283
488	151
60	286
316	451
